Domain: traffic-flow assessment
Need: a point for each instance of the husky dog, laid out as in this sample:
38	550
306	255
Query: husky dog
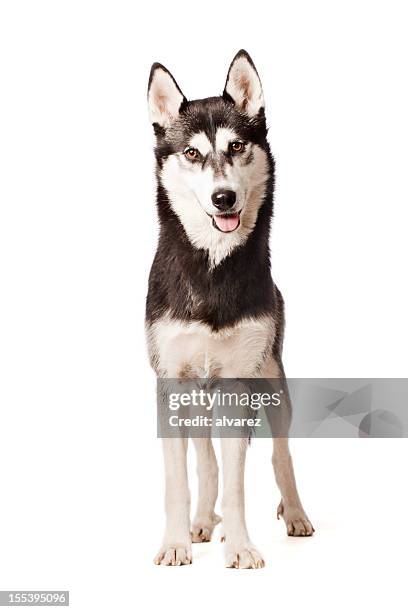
212	307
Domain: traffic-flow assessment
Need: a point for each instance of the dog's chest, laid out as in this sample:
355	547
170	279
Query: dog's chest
181	349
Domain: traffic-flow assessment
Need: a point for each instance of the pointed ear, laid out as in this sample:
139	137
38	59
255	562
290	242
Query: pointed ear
243	86
164	96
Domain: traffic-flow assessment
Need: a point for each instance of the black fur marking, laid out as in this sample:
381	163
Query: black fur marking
249	158
207	116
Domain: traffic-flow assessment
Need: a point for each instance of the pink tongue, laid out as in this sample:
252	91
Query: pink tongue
227	223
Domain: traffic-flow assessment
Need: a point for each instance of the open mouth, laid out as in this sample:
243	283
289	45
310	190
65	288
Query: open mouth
227	222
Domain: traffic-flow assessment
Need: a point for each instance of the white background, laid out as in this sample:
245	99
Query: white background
81	476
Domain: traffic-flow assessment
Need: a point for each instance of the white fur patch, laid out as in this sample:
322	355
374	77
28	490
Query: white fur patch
237	351
201	142
223	137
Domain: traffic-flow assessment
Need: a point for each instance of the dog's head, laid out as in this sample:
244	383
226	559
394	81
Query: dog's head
213	157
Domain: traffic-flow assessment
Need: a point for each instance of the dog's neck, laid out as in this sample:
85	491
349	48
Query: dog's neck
196	237
175	241
184	285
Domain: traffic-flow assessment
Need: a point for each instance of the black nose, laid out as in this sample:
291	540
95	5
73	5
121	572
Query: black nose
223	199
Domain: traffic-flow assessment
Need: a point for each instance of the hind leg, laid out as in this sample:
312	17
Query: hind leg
290	507
207	470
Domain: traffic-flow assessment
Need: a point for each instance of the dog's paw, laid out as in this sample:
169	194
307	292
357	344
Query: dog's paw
243	557
174	554
202	528
297	523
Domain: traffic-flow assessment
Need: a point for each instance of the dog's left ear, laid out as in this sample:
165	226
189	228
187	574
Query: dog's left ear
243	85
164	96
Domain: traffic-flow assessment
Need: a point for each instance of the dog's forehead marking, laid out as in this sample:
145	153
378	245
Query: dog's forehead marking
201	142
223	137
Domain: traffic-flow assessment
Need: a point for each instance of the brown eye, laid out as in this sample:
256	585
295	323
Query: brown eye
191	153
237	146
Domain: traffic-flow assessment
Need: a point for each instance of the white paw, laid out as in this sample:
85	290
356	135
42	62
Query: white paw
203	527
174	554
243	557
297	523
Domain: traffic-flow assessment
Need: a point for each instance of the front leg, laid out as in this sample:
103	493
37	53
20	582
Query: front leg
240	553
176	547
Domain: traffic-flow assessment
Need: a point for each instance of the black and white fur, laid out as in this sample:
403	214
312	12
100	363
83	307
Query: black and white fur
212	307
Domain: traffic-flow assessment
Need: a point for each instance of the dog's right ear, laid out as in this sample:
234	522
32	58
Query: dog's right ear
164	97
